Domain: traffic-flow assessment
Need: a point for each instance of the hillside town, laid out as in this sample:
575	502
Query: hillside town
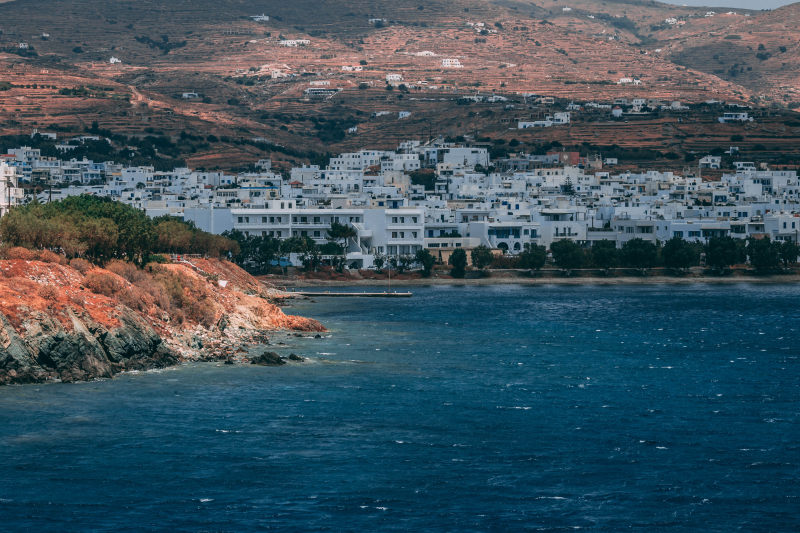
439	196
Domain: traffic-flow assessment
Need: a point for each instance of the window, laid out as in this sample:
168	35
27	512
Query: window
394	235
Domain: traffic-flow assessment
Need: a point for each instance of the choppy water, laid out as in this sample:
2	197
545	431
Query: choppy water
461	409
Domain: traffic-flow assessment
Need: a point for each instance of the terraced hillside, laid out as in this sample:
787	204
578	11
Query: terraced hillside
249	85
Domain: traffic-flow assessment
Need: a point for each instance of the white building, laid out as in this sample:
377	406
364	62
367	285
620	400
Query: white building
711	162
737	116
294	43
10	193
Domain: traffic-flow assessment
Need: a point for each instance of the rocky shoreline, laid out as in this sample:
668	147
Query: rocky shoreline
48	351
54	328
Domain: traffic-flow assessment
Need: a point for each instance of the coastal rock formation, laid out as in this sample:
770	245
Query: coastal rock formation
46	349
268	359
58	323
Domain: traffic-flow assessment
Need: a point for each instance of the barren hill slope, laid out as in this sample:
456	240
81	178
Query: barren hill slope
251	82
760	52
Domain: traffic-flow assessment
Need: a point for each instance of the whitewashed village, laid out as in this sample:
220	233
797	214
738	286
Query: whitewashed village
469	200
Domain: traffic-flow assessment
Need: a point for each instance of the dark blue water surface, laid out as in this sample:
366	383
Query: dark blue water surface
460	409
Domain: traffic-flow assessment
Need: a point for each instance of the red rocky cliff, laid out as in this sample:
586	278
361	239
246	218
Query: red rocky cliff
73	321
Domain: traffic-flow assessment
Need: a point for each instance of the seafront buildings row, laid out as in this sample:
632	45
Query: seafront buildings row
437	195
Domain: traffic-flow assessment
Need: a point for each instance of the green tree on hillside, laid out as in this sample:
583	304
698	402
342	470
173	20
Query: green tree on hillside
102	229
723	252
481	257
680	255
764	254
789	251
426	261
533	257
567	255
340	233
639	253
379	261
458	260
605	255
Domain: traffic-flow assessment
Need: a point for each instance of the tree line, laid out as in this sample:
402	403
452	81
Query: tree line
259	254
677	254
101	229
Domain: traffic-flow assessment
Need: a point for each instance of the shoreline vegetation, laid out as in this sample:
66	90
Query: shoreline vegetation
90	288
507	277
565	262
574	281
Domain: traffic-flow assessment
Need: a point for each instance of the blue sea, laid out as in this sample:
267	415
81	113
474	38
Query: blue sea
504	408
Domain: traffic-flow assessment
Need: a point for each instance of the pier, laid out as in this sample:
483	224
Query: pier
355	294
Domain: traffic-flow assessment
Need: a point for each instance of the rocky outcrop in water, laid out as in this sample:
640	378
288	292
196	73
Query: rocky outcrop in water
268	359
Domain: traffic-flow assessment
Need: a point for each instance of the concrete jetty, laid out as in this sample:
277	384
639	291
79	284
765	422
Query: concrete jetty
354	294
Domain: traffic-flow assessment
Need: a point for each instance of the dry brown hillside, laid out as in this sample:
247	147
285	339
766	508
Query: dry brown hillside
251	86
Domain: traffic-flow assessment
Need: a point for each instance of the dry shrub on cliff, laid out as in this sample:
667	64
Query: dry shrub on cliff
179	297
134	298
203	312
188	295
46	256
126	270
81	265
155	293
101	282
48	292
18	252
107	284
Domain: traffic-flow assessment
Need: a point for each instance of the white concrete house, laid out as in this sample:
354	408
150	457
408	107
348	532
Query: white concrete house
10	193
